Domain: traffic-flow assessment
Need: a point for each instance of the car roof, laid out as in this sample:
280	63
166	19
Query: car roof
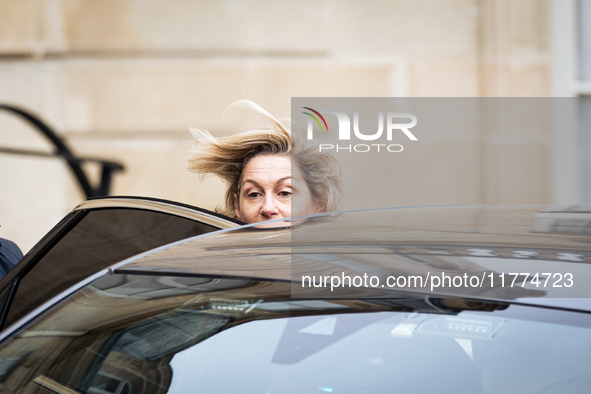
409	241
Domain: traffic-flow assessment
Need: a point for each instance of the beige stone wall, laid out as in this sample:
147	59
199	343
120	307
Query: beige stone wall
125	79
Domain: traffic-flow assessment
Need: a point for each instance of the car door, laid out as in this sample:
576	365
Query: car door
93	237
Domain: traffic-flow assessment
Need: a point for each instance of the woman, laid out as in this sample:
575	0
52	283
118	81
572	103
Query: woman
256	166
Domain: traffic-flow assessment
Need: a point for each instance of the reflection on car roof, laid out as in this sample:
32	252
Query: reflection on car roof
412	240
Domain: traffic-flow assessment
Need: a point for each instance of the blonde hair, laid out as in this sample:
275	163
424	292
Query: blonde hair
227	156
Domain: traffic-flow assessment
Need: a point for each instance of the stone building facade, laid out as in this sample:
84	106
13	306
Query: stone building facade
126	79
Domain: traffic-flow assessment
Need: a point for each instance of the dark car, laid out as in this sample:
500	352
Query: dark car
144	296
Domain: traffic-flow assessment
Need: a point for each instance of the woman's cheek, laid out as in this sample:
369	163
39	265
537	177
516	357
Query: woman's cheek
247	210
286	210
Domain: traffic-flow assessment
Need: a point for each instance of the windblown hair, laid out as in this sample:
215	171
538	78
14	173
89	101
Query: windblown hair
227	156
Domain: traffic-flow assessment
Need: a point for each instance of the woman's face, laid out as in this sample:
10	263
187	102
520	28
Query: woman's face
269	190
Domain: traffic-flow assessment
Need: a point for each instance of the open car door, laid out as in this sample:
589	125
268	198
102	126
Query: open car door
94	236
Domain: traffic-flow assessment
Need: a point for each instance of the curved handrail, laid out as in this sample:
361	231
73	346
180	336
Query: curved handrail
62	150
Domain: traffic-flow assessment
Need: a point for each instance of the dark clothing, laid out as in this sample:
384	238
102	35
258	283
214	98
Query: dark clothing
10	255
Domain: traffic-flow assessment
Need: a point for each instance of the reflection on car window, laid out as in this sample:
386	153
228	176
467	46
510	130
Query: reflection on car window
101	239
163	334
385	354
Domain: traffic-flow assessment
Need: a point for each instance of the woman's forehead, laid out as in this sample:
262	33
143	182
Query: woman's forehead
268	161
269	168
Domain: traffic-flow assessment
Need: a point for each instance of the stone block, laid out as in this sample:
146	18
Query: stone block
508	27
455	77
185	25
146	95
35	86
431	28
305	26
516	79
22	26
514	48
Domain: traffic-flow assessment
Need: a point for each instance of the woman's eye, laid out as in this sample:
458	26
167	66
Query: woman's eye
285	193
253	194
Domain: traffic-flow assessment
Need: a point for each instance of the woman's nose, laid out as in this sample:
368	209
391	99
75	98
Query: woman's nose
269	209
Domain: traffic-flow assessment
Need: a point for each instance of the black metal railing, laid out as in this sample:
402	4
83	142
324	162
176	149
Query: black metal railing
108	168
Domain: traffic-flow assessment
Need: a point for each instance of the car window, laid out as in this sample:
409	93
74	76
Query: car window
101	239
163	334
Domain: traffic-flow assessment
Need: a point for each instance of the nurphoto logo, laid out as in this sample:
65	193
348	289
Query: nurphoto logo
344	130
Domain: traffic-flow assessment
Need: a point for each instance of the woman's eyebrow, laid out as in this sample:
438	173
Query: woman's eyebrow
251	181
280	180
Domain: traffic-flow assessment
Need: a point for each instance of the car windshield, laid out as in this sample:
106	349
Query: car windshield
165	334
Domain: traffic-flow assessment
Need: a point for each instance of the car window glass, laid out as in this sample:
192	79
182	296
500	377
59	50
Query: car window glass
263	356
163	334
101	239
